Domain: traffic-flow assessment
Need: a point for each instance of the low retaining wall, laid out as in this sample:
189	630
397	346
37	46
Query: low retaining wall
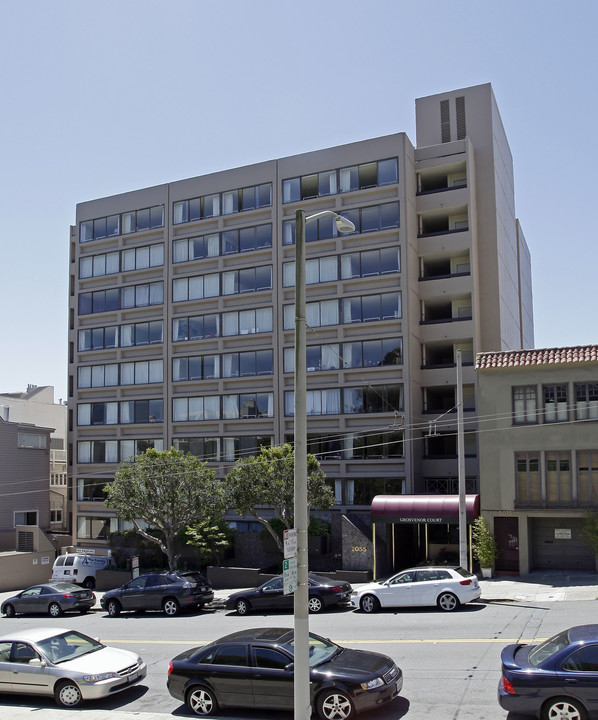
234	577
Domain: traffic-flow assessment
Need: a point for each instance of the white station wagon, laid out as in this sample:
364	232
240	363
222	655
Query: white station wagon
445	587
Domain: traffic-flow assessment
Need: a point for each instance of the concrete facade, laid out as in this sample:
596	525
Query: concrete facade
182	327
539	454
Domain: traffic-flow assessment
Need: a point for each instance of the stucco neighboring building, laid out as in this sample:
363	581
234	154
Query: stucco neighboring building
538	443
182	319
37	407
24	473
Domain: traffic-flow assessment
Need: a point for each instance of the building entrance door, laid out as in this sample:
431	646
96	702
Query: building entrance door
506	532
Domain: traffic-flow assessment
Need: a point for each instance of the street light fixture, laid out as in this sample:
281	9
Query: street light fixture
301	622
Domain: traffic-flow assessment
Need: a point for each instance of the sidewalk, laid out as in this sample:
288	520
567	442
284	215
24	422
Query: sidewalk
542	586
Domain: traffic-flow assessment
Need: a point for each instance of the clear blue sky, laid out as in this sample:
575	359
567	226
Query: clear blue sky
105	97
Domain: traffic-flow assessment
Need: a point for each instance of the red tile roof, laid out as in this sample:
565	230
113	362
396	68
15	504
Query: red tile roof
540	356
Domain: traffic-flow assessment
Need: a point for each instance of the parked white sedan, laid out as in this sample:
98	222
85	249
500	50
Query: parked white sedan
66	664
445	587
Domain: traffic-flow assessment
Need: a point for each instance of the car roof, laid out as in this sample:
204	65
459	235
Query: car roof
429	567
583	633
34	634
271	635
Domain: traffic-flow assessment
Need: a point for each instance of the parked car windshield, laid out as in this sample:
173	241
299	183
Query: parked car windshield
320	650
548	648
68	646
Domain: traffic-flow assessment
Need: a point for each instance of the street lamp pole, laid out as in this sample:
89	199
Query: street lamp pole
301	511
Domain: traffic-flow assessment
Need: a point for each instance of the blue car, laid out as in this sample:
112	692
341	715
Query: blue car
555	679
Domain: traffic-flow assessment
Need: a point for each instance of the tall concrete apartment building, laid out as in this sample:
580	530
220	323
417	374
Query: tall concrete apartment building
182	319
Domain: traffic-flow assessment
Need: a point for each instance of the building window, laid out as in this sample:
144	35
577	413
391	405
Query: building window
247	280
555	403
129	222
586	401
373	446
587	477
196	288
90	527
529	489
366	353
204	448
525	405
25	517
121	298
369	219
361	491
114	262
56	516
125	412
333	401
249	198
558	478
91	489
329	182
107	451
33	441
225	243
369	308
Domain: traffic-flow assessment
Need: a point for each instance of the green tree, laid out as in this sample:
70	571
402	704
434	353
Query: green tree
589	529
484	546
209	538
268	480
165	491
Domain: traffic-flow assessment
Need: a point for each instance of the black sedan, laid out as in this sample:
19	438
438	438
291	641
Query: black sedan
170	592
254	669
53	598
555	679
323	593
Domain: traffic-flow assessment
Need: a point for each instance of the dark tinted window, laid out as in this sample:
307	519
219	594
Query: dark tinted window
138	583
231	655
583	660
267	658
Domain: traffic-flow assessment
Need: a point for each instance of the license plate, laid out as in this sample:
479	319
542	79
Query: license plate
132	677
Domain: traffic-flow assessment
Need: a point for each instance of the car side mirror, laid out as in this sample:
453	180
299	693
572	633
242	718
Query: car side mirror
290	667
37	662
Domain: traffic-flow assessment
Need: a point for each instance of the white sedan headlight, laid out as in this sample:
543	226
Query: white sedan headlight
99	677
372	684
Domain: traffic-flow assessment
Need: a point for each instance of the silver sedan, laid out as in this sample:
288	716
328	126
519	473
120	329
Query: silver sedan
66	664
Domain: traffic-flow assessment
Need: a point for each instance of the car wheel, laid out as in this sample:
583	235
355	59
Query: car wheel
9	610
89	583
370	604
113	608
171	607
201	701
334	705
563	708
67	694
315	604
242	606
447	602
54	610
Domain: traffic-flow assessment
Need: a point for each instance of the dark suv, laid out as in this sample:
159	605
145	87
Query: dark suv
170	592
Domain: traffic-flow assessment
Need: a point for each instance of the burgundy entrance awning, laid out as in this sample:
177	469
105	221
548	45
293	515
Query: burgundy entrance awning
423	508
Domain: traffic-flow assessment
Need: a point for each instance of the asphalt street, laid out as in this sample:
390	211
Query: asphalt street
451	668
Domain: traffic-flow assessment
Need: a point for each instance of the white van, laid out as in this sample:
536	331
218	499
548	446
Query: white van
80	569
